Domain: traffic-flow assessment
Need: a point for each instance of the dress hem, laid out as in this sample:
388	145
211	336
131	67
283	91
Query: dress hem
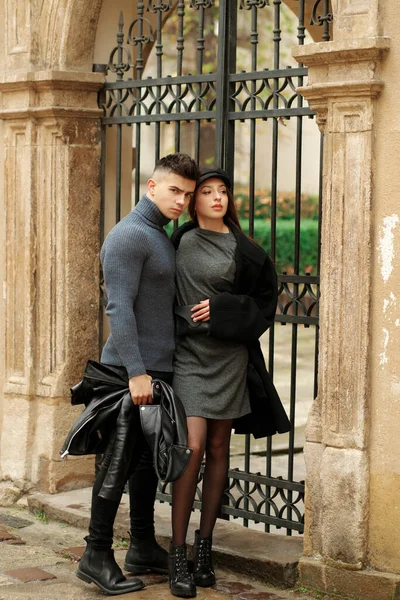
224	418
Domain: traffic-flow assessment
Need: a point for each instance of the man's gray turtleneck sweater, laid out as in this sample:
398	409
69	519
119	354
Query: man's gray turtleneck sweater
139	272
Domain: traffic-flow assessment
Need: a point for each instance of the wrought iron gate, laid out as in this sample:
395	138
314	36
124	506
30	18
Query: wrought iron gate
201	112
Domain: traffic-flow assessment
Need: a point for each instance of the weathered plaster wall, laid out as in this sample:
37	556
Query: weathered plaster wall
384	518
2	227
352	511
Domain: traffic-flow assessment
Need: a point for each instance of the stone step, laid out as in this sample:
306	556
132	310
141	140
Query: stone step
267	557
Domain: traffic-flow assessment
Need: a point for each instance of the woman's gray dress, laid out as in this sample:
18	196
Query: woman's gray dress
209	374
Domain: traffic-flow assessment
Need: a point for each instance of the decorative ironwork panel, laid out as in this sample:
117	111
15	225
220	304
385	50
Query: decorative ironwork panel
216	79
256	498
159	99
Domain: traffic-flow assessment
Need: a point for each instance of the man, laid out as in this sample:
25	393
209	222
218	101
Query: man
138	262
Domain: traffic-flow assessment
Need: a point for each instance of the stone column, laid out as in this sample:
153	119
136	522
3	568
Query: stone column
343	88
50	291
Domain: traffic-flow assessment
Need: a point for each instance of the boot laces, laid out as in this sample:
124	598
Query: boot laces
182	569
204	553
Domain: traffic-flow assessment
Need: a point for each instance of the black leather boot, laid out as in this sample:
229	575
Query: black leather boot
99	567
180	580
146	555
203	571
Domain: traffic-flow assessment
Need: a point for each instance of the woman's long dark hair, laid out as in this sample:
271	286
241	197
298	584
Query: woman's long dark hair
230	215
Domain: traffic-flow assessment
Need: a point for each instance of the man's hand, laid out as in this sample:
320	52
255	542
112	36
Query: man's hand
140	389
201	312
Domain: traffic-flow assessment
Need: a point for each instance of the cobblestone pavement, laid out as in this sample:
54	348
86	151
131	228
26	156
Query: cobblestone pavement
38	561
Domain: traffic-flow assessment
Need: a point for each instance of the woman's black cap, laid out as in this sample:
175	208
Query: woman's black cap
214	172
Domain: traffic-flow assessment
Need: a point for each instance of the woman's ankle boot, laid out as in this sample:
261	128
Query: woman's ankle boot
180	580
203	571
99	567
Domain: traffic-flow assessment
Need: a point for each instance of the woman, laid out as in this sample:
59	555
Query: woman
226	297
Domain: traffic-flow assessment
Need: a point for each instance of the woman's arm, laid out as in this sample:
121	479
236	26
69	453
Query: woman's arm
244	318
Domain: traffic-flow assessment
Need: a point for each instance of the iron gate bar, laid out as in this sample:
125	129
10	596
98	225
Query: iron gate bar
271	113
157	81
175	80
226	61
201	6
207	116
276	40
223	98
138	42
180	45
102	302
270	74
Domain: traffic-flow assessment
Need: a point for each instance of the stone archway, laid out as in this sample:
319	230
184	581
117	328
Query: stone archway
51	164
72	26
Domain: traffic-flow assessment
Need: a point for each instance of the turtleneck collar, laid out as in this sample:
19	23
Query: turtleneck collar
150	212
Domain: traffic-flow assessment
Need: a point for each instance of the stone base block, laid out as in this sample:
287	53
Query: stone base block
64	475
355	585
9	493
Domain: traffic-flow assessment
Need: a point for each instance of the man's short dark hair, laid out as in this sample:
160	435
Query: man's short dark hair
180	164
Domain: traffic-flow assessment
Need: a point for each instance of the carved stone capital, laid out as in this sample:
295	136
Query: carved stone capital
356	50
328	81
45	94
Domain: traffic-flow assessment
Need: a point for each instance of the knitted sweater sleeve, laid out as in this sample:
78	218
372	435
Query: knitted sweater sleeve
123	256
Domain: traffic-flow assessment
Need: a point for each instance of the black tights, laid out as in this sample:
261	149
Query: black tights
212	437
142	491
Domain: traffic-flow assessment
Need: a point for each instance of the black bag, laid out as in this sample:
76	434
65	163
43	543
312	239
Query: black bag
165	429
184	324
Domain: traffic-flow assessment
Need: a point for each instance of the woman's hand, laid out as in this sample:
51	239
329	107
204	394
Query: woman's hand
201	312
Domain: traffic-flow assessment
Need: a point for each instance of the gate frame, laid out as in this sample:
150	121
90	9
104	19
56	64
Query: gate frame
228	85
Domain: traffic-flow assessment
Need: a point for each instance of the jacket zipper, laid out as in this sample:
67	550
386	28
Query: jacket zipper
66	452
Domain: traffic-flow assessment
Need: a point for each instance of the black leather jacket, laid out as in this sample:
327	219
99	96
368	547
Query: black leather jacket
106	425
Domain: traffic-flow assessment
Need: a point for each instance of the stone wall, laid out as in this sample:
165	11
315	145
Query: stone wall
351	542
384	505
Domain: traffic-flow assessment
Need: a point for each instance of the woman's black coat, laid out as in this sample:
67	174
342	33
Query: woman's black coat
242	316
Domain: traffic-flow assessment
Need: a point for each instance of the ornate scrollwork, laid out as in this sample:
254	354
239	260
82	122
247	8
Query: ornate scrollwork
197	4
300	299
140	38
120	59
282	502
258	495
248	4
323	20
161	99
160	6
263	93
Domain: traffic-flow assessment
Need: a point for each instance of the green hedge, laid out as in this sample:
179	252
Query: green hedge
285	204
285	237
285	234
